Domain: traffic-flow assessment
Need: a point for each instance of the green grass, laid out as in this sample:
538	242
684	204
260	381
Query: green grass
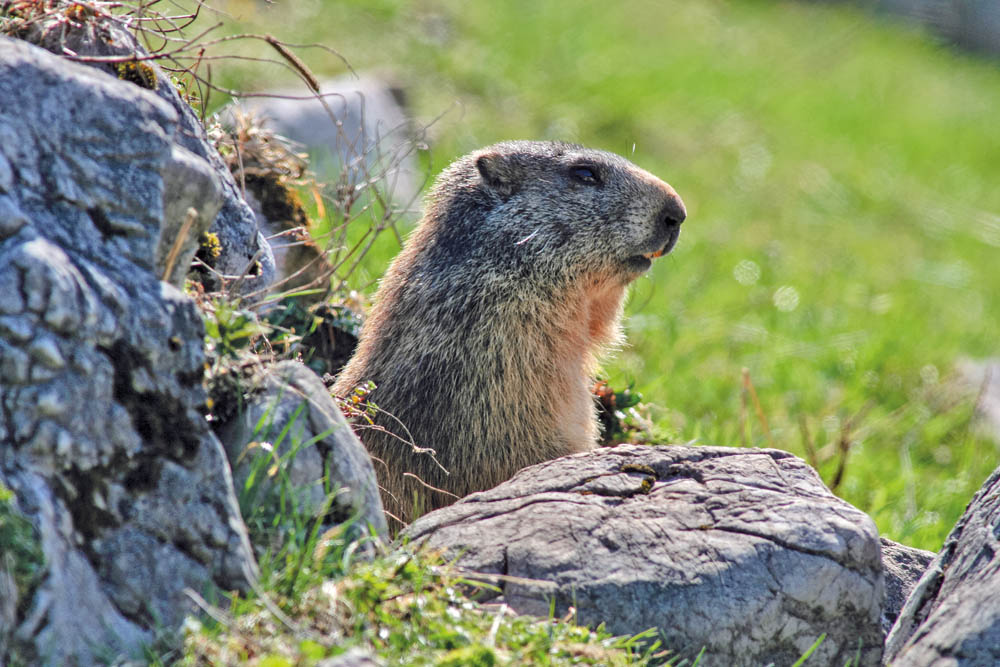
408	610
323	591
839	173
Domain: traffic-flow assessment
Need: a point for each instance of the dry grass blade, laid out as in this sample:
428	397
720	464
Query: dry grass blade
844	444
807	443
428	486
749	389
294	60
175	250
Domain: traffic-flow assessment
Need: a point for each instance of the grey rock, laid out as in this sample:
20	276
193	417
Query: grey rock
192	196
101	435
972	24
288	407
354	657
742	552
356	132
982	380
903	566
247	259
71	617
952	617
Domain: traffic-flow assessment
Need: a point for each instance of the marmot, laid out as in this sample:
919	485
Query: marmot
485	329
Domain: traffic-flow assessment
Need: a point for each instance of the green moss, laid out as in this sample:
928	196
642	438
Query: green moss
647	484
637	467
209	248
140	73
20	548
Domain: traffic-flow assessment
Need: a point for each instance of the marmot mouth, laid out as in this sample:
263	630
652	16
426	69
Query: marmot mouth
643	261
638	264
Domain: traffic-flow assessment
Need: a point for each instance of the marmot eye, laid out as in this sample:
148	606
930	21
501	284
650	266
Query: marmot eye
584	174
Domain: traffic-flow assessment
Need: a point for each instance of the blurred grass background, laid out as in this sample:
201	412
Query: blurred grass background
840	176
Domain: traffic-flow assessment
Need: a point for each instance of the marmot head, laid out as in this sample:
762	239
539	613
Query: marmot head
556	208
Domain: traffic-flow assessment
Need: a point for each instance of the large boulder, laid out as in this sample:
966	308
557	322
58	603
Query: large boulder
111	463
357	132
744	553
952	617
245	263
309	446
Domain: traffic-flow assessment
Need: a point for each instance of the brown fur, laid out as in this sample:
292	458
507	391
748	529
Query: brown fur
486	328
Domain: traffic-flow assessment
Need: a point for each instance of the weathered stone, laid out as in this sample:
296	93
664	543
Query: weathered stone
982	381
290	409
357	133
70	617
742	552
16	329
103	442
903	566
952	617
246	257
192	196
11	219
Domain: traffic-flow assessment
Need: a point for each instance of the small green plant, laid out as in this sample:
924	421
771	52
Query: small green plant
623	416
356	406
805	656
230	330
21	554
295	539
320	335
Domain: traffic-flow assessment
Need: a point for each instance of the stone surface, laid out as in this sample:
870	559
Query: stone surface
952	617
353	658
192	197
742	552
101	436
903	566
289	408
982	380
357	133
247	259
973	24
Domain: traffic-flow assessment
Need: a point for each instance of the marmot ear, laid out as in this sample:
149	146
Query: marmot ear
498	173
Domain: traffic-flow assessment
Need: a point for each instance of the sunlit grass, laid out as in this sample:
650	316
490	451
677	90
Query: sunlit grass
839	174
327	587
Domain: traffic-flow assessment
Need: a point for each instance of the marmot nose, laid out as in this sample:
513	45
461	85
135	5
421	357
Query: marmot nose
673	212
